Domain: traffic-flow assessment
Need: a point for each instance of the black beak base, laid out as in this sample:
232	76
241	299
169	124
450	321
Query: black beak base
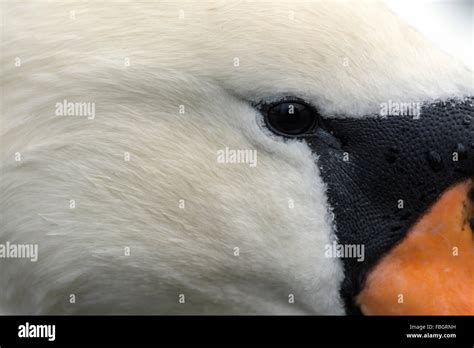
383	173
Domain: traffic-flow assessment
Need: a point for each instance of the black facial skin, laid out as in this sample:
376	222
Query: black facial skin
389	159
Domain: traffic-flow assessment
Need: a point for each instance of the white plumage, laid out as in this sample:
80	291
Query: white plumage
171	84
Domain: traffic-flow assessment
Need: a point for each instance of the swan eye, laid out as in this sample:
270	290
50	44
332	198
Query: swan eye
290	118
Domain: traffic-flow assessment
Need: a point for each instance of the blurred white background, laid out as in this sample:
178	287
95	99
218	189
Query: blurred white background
448	23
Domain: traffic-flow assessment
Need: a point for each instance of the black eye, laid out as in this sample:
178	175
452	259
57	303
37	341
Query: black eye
290	118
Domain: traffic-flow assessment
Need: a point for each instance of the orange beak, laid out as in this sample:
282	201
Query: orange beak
431	271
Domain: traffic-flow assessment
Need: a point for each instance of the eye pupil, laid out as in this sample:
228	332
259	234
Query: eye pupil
290	118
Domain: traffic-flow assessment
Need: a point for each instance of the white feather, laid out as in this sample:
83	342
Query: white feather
81	56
